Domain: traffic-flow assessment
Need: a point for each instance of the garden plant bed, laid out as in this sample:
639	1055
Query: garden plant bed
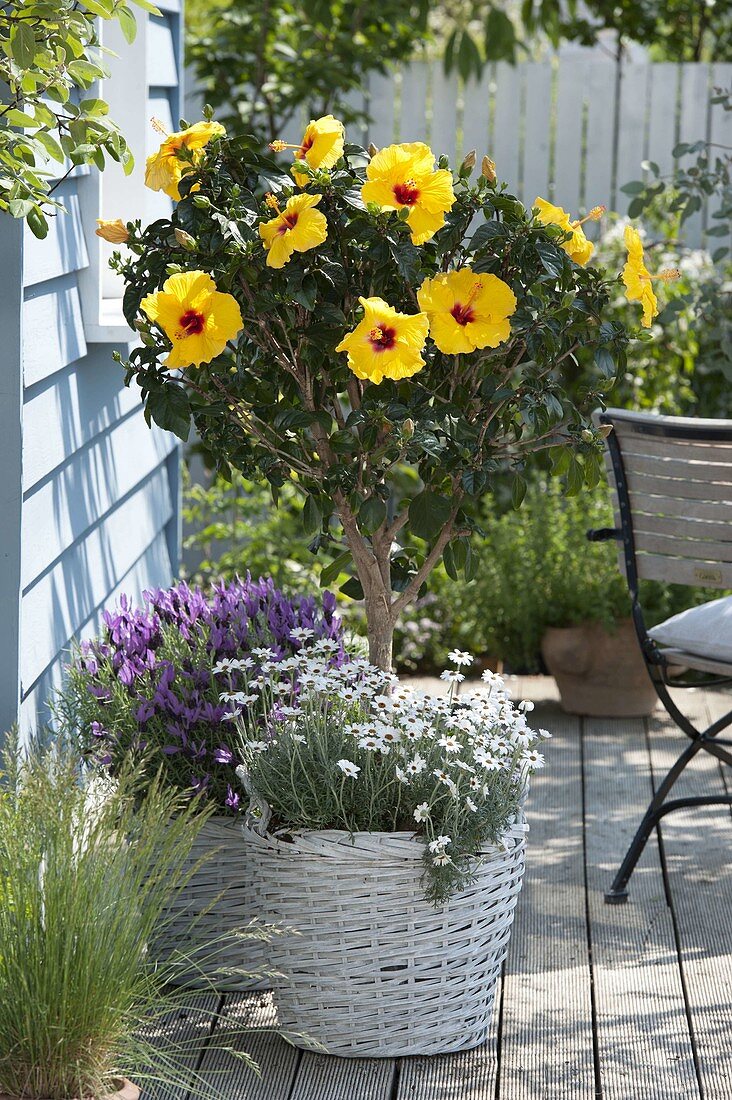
592	1000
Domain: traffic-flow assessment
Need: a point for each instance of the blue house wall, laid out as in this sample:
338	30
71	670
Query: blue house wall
89	495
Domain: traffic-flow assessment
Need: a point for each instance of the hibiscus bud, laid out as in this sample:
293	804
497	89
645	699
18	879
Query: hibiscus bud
113	231
604	430
488	169
468	163
372	149
443	162
185	240
408	428
587	435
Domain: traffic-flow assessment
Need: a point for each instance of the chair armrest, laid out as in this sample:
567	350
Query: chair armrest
605	534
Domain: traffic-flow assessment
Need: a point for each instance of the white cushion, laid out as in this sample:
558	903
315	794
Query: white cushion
705	630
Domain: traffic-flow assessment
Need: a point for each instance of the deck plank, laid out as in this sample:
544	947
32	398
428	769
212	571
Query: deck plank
546	1049
320	1076
184	1031
246	1025
644	1046
697	847
470	1075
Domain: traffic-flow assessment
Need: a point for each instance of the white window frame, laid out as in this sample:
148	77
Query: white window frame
110	194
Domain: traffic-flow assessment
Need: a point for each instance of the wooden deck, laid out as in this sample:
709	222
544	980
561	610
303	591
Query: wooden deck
628	1002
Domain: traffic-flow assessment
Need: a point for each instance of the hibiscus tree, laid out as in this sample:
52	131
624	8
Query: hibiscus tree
390	336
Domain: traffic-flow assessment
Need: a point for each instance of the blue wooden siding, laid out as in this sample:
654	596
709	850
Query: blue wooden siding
100	510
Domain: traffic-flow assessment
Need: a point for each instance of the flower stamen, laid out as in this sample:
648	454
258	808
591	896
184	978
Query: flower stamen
158	126
594	216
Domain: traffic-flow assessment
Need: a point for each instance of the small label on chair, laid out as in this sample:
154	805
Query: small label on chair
708	576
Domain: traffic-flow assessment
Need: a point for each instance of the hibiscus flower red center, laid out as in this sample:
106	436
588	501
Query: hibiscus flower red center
288	221
463	314
407	193
192	322
382	338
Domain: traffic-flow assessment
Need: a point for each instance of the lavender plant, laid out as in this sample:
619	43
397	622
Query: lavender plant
150	684
349	748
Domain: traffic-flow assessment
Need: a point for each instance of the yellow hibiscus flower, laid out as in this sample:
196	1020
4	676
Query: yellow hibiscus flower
638	280
577	247
321	146
297	228
197	318
467	311
164	170
113	231
404	177
385	344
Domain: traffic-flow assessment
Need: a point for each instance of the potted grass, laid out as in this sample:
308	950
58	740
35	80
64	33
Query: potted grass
389	337
88	868
148	690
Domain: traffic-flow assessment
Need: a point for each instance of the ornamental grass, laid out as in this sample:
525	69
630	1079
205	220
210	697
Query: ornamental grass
88	869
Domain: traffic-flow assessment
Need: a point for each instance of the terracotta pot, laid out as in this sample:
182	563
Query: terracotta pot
126	1091
597	672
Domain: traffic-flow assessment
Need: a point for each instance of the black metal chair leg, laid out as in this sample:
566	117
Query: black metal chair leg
618	894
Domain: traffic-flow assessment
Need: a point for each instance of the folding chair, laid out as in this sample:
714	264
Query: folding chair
673	514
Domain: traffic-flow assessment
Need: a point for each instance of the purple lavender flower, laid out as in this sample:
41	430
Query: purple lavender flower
175	703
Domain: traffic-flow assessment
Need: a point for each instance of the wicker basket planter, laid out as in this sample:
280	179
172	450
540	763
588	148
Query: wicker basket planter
215	903
367	967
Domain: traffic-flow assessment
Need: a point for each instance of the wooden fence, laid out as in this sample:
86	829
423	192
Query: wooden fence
573	129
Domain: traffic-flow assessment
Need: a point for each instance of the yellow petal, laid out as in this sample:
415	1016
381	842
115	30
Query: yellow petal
113	231
423	224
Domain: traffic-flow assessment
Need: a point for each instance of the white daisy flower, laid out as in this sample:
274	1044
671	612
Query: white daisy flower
452	677
441	859
471	805
460	658
348	768
422	812
533	758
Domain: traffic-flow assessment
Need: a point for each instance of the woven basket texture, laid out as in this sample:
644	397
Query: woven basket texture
216	903
369	968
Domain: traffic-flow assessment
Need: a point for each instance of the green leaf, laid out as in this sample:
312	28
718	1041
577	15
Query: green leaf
312	516
352	588
486	234
500	36
605	362
23	45
147	6
170	408
371	514
50	144
428	514
37	223
518	491
633	188
330	572
448	560
550	258
102	8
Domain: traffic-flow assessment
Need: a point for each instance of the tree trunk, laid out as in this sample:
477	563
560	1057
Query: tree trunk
381	635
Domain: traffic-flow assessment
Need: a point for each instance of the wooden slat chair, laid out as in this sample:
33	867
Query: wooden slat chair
673	511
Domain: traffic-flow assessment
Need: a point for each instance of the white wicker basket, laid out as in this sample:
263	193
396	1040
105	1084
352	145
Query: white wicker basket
370	968
215	905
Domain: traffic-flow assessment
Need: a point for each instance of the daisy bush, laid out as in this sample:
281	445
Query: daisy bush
388	334
350	748
150	685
